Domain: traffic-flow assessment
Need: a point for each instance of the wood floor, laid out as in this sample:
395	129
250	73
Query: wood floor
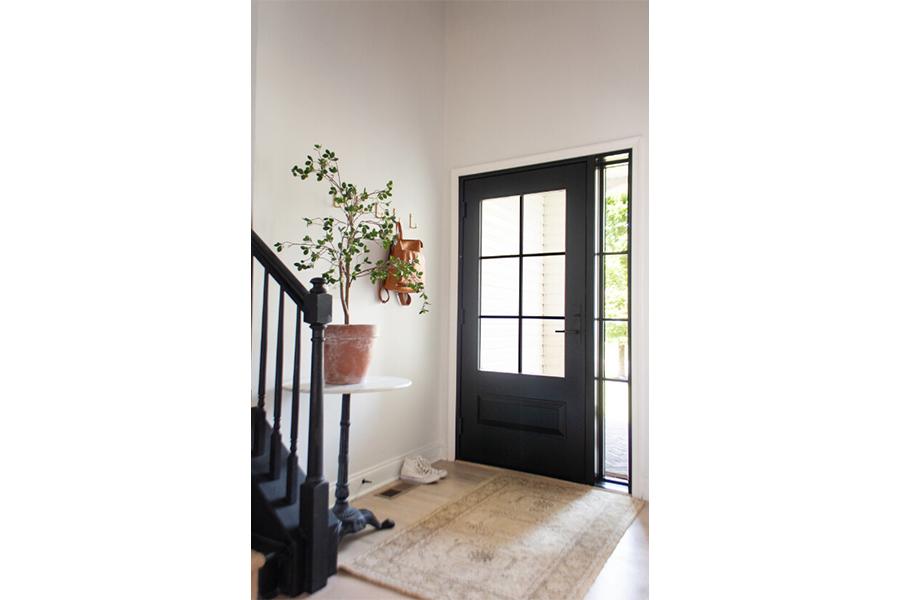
624	577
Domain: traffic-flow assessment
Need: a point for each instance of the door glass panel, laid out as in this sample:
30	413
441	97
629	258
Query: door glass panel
500	286
539	287
544	222
615	429
615	286
615	349
499	345
500	226
544	286
615	209
543	350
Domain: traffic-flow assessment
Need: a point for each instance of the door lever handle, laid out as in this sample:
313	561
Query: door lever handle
567	331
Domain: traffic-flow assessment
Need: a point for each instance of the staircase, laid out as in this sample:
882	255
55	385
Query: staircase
291	523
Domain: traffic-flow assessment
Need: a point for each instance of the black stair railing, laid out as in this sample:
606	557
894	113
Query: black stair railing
310	570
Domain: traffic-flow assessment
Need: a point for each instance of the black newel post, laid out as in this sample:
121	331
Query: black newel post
314	491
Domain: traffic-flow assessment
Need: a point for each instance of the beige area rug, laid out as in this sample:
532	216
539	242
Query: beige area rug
515	536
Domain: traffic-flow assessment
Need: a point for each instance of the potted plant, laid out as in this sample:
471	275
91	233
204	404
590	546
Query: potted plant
343	243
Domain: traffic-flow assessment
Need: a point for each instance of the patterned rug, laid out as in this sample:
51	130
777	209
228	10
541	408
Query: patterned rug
515	536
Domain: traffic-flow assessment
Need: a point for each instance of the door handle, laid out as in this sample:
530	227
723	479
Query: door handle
577	318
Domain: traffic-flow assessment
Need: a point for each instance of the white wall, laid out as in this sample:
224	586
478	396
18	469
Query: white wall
366	80
528	78
410	91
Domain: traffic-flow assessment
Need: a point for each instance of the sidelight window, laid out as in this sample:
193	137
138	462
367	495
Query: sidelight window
612	309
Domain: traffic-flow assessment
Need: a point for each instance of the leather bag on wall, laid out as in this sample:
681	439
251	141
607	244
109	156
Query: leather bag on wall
408	251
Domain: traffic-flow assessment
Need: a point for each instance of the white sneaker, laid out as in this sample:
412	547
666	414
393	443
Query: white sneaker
441	472
418	470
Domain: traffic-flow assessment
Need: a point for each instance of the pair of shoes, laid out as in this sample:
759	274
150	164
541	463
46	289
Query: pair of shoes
418	470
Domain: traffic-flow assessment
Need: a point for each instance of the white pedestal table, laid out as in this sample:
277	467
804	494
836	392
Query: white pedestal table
355	519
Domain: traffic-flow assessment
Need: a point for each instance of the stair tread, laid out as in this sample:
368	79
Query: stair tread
272	489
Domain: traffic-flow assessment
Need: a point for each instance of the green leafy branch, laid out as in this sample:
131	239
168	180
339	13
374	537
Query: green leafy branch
343	243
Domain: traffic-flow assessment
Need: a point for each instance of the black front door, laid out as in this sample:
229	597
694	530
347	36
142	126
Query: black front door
524	320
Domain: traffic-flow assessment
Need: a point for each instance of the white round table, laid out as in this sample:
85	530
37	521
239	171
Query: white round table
374	383
354	519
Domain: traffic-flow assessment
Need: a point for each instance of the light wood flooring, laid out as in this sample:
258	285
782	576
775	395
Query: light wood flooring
624	577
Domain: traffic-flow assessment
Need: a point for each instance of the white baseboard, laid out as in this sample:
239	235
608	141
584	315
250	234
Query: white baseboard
385	472
639	488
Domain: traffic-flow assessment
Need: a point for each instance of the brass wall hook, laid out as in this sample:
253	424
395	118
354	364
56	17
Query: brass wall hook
379	214
411	226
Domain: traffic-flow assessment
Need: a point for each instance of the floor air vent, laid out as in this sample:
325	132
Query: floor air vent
395	490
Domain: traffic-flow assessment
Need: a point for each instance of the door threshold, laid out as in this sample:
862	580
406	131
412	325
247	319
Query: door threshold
613	486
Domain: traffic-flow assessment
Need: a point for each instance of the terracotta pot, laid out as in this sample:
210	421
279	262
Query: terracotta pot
348	352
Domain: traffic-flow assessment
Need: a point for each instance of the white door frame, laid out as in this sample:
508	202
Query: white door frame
639	291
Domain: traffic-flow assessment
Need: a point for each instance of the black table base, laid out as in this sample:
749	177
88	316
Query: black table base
355	519
352	519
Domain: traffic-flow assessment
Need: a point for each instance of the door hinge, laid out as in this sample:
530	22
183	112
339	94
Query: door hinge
459	425
462	318
465	209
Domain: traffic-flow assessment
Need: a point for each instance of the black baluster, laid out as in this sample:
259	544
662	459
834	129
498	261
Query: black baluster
275	442
291	489
259	428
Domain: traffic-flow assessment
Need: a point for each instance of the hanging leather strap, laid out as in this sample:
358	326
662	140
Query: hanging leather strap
404	299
